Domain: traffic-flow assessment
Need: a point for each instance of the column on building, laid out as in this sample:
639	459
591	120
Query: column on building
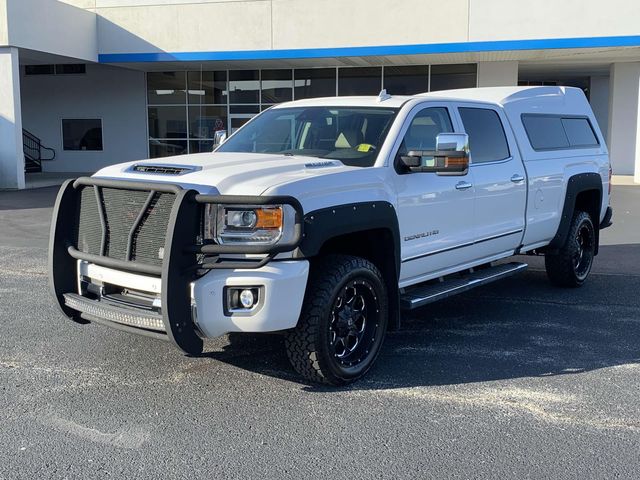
11	155
624	119
599	99
498	74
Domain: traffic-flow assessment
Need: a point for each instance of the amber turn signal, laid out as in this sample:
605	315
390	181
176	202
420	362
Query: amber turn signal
269	218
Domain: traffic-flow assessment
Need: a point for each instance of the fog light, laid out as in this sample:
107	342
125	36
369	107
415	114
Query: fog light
247	299
242	300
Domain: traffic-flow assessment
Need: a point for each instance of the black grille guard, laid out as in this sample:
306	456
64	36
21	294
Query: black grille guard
183	255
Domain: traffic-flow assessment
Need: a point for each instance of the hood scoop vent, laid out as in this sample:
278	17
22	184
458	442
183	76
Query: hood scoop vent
163	169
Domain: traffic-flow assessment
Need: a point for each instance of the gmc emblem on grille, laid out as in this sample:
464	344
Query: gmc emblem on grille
161	253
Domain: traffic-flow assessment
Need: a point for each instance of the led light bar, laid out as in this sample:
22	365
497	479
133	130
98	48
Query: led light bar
114	314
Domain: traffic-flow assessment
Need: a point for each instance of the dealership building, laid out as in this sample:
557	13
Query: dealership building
88	83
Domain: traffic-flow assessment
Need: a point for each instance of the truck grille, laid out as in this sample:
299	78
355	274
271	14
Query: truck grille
134	223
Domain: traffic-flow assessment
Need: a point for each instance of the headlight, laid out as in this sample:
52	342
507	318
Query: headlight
248	224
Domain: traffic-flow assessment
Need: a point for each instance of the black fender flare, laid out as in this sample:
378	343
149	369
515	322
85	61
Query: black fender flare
577	184
324	224
327	223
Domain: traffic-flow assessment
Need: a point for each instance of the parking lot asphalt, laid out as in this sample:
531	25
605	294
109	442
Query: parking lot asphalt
517	379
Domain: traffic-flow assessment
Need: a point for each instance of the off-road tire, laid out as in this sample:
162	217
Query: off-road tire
310	347
569	268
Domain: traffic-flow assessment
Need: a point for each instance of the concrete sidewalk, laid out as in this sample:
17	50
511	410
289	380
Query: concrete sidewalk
50	179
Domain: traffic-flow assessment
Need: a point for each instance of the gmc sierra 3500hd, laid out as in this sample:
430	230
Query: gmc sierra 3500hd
325	218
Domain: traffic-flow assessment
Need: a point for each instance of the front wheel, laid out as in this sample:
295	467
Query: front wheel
343	321
572	264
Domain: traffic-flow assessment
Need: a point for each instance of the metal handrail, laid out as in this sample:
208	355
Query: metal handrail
32	147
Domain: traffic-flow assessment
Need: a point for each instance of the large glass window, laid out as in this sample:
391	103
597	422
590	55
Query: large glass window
406	80
168	122
277	86
359	81
207	88
244	86
315	82
448	77
166	88
487	140
186	108
82	134
349	134
204	121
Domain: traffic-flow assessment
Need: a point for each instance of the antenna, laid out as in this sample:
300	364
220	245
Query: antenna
383	95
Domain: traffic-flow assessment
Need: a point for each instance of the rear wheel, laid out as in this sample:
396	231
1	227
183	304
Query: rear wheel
343	321
570	267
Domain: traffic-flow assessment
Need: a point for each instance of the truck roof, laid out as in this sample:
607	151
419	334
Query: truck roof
568	98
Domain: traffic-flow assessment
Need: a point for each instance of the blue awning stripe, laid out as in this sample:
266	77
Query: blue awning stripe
368	51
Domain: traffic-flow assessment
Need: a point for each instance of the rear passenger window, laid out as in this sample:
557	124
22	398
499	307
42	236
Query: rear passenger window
555	132
487	140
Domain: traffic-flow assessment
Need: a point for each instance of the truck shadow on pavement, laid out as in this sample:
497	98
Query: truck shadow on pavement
519	327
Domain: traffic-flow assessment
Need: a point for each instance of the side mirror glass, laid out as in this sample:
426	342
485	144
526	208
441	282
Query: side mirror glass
451	156
219	137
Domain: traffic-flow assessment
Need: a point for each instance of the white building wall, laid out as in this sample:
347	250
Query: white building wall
50	26
514	20
497	74
624	117
4	26
339	23
191	25
11	156
117	96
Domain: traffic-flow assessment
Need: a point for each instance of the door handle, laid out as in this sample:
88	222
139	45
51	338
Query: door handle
517	178
463	185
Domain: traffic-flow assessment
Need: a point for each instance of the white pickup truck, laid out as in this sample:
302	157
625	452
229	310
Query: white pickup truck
325	218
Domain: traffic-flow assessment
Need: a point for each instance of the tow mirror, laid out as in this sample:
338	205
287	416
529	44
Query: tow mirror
451	156
219	137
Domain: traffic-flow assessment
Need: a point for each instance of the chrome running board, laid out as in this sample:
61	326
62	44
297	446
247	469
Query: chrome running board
423	294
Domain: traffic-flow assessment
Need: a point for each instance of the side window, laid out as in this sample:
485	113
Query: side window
555	132
487	140
424	129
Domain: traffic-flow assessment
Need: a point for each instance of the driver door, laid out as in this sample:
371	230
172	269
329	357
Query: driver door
435	212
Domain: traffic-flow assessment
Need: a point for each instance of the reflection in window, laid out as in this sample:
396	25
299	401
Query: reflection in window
200	146
166	88
168	122
207	87
277	86
350	134
315	82
82	134
166	148
447	77
406	80
204	121
425	128
487	140
359	81
244	86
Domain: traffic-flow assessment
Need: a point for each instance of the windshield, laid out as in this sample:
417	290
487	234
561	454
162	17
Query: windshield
352	135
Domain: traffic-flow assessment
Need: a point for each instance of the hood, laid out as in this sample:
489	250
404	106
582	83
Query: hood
225	173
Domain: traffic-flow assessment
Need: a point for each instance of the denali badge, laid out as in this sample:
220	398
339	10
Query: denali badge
421	235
